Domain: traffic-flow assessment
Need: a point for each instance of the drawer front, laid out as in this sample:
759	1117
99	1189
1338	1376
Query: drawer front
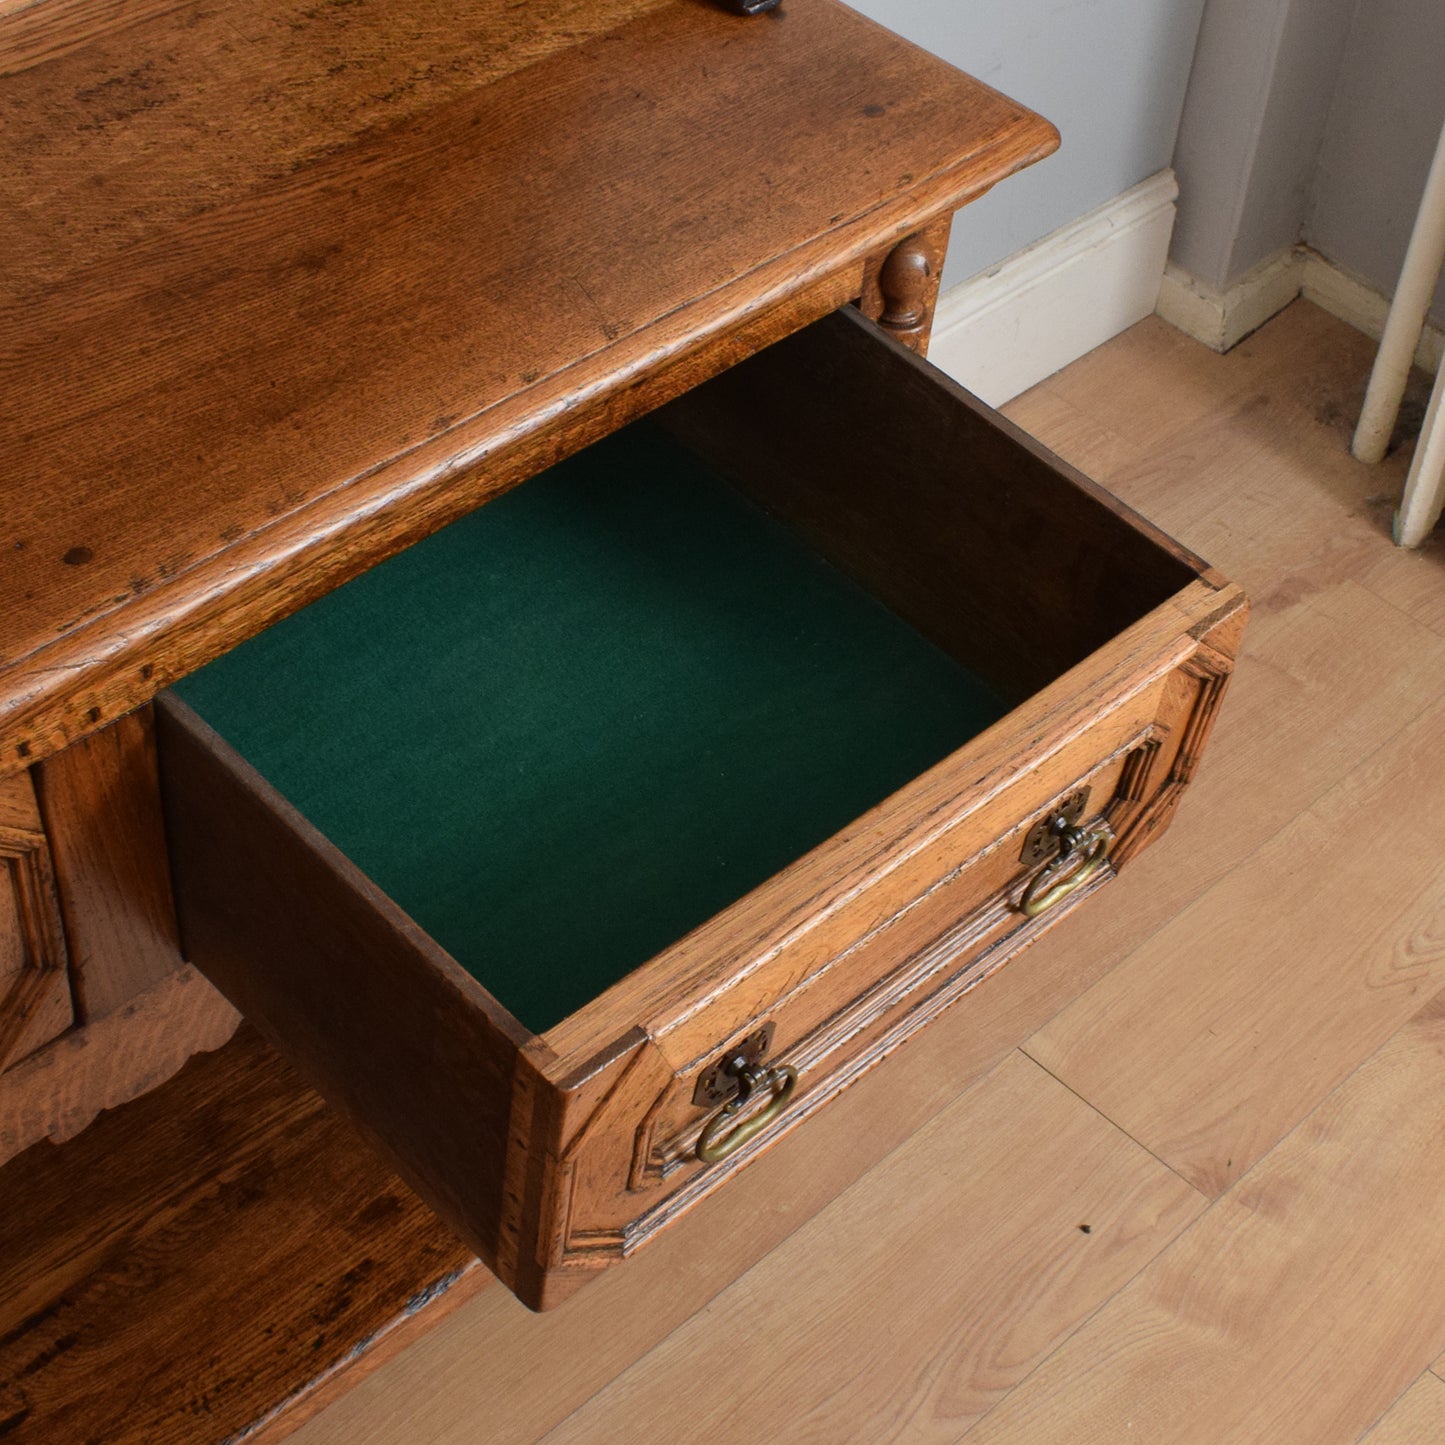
632	1166
846	1015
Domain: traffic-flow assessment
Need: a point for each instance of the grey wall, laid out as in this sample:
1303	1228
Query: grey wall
1110	74
1308	120
1254	121
1388	107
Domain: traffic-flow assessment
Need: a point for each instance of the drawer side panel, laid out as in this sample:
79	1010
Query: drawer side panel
380	1022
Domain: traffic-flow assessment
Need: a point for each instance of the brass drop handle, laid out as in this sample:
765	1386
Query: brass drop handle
717	1141
1081	854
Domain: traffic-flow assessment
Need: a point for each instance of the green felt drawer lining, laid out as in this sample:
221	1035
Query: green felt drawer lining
572	726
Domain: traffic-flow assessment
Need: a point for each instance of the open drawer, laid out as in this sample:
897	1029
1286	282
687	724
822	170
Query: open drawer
587	847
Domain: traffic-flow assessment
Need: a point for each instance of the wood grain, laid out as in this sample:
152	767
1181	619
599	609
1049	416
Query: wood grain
558	1156
236	98
1003	556
59	1089
1340	653
523	1374
36	1003
840	999
496	1349
967	1214
102	808
1263	1321
408	1045
1285	521
884	504
1168	1046
1413	581
1416	1417
238	1243
35	989
140	1011
245	404
1163	385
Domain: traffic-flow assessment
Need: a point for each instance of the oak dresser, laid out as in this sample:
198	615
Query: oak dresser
574	847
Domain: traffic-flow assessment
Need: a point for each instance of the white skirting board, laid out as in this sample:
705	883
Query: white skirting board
1011	326
1220	319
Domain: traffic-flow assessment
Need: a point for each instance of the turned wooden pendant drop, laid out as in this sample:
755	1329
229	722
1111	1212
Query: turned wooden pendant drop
908	282
902	289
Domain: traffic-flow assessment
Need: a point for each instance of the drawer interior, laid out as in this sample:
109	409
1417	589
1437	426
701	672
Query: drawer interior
566	730
721	725
569	729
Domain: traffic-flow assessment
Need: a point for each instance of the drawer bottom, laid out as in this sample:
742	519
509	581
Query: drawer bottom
641	697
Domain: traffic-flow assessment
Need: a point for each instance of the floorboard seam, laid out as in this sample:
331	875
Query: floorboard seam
1375	1423
1209	1206
1431	628
1148	1264
1243	859
1115	1125
732	1283
1304	1118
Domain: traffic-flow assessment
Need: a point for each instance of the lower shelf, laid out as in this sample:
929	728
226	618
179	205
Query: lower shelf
239	1248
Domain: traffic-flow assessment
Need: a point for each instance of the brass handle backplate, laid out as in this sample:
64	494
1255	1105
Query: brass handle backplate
720	1138
1082	852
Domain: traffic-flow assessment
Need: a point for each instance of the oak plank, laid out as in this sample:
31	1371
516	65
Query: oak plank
1181	431
421	1059
1412	579
1163	384
1327	652
234	96
35	1003
1228	1025
1416	1417
1124	388
35	31
1266	511
1081	437
1039	746
524	1373
250	403
988	1260
1270	1318
829	427
238	1244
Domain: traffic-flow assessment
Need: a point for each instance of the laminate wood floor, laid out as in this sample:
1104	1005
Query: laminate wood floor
1178	1173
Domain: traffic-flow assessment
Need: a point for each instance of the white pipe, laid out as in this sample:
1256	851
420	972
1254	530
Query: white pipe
1407	317
1425	486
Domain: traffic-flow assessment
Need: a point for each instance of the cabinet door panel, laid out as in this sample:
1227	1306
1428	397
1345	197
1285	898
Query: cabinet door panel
101	805
35	1002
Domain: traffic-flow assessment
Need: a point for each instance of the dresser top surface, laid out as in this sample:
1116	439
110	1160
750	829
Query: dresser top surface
279	274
